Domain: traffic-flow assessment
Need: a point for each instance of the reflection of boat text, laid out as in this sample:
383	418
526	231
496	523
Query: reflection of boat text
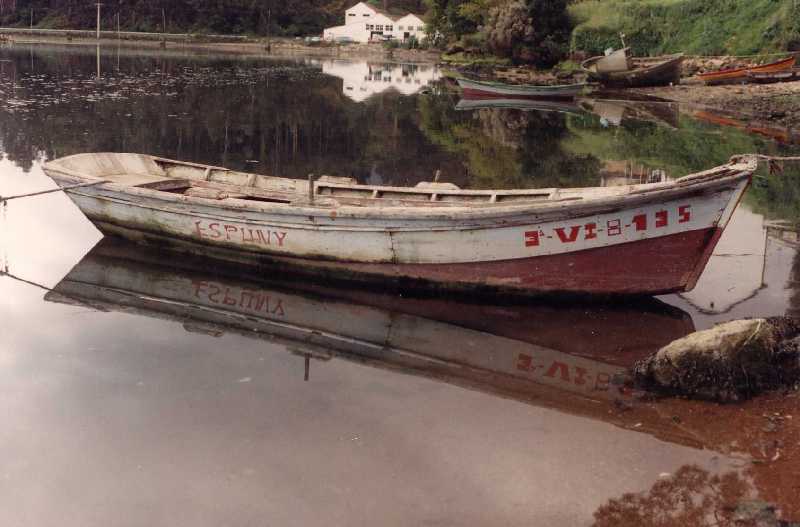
365	79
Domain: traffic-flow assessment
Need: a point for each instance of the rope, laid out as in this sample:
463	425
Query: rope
776	54
773	162
60	189
22	280
774	158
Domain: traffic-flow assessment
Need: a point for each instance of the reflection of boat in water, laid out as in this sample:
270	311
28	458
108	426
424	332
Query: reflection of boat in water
539	105
567	356
599	240
620	70
614	112
483	89
626	172
775	133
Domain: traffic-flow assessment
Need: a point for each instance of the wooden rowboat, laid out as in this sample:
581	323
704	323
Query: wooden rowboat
742	74
483	89
772	77
641	72
638	239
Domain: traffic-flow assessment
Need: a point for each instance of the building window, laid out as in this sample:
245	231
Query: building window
379	28
400	28
389	28
366	14
351	14
370	27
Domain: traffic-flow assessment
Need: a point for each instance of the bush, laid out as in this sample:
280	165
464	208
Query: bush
534	31
509	27
411	43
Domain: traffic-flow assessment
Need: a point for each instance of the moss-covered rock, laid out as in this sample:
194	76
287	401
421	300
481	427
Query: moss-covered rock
727	362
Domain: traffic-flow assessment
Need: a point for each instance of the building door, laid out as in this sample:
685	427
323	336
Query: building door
406	35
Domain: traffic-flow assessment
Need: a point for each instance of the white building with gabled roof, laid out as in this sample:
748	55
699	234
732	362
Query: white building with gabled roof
365	23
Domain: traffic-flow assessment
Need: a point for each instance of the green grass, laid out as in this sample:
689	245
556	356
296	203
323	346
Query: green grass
700	27
467	59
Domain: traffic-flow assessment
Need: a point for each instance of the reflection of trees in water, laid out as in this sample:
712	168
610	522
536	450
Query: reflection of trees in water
689	498
777	196
292	123
507	148
694	146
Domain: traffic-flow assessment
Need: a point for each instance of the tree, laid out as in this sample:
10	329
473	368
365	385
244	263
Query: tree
534	31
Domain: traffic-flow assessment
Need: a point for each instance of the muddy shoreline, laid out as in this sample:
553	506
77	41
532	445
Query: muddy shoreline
261	48
776	103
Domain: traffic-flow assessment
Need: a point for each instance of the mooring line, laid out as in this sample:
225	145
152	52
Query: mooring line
5	272
52	190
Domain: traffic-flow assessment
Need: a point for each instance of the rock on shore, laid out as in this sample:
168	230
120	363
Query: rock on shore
728	362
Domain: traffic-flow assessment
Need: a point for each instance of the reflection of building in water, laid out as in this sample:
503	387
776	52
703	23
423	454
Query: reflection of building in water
364	79
617	173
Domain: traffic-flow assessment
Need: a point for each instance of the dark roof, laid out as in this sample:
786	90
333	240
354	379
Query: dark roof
393	15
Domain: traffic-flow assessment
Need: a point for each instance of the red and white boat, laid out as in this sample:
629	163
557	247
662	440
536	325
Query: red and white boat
635	239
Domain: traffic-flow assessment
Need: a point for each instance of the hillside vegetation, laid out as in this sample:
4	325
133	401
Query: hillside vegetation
703	27
286	17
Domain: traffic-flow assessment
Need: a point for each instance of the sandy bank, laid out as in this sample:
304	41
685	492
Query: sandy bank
256	47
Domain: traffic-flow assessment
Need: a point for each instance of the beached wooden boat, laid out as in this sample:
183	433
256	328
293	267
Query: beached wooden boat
772	77
743	74
472	89
641	71
639	239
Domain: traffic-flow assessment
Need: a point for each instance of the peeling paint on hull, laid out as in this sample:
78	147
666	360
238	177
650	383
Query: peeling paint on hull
650	267
637	240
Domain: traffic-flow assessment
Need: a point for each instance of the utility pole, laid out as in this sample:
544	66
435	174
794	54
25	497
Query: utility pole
269	27
31	18
98	20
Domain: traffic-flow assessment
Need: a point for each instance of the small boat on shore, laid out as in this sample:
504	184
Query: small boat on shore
772	77
636	240
743	74
472	89
620	70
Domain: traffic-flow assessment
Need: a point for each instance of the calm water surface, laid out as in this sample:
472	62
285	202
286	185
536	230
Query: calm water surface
137	390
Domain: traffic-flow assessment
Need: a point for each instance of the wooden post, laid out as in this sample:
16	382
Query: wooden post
311	178
98	20
269	34
163	27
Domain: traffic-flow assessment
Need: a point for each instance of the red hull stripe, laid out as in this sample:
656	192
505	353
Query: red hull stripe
648	267
652	266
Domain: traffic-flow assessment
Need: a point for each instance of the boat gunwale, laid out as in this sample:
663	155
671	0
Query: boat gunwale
735	73
533	88
627	196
